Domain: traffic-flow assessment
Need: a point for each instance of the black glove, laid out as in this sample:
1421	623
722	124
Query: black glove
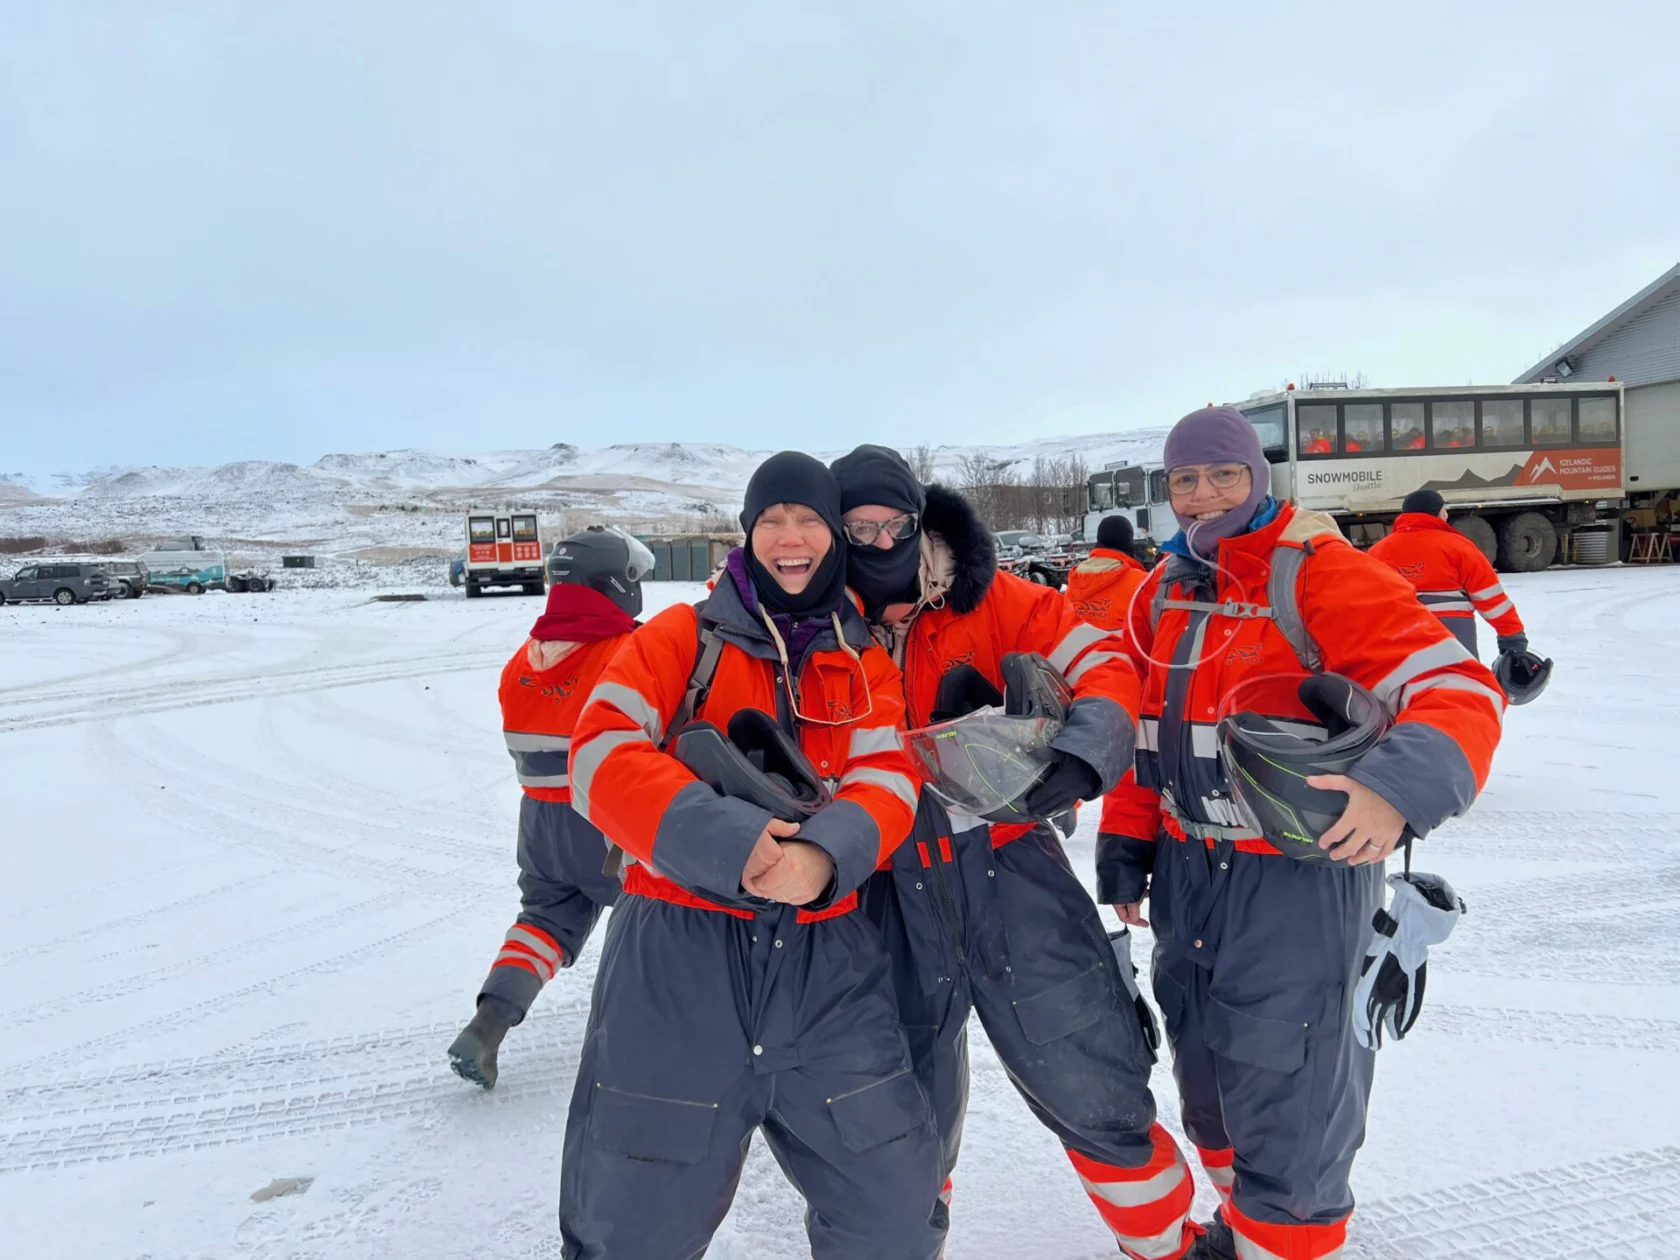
1070	780
1513	643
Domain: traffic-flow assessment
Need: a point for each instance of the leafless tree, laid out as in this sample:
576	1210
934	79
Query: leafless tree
920	459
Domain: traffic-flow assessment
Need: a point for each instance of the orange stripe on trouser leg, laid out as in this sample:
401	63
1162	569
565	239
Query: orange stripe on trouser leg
1148	1208
502	960
1217	1165
945	1193
538	963
1264	1240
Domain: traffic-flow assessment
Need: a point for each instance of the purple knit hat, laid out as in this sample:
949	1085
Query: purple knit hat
1218	435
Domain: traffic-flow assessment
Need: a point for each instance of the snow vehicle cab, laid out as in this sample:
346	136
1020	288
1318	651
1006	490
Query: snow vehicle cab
503	549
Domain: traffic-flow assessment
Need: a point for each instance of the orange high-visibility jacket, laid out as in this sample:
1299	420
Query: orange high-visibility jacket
541	706
690	843
1101	587
1452	577
1366	624
973	614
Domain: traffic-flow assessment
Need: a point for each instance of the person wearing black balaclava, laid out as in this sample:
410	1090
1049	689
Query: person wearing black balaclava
739	990
992	919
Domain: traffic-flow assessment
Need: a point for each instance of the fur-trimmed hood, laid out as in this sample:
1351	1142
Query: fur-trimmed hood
959	554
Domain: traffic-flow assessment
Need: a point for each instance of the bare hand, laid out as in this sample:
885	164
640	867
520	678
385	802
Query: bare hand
798	878
767	852
1131	913
1369	828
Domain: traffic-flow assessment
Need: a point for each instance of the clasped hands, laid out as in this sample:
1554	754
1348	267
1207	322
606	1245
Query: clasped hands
783	869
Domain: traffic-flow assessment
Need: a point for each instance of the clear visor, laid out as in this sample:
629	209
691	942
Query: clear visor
983	760
641	559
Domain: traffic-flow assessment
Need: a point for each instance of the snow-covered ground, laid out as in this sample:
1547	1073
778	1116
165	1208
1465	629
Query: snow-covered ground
259	853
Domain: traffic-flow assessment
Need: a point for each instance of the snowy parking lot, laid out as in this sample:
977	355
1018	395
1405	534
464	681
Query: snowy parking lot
259	854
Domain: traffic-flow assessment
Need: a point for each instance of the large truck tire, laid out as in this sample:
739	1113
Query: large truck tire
1478	531
474	590
1527	543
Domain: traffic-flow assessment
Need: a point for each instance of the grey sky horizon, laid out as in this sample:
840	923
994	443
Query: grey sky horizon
273	232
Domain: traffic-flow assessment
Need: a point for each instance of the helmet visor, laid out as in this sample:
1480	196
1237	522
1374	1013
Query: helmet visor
984	760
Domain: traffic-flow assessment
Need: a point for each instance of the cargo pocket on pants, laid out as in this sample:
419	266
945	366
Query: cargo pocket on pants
1064	1010
878	1113
1276	1044
643	1127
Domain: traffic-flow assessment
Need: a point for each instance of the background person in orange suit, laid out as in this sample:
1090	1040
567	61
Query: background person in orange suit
591	610
1101	586
739	990
1452	577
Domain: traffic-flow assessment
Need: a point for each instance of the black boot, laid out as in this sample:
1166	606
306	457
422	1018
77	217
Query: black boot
473	1053
1216	1244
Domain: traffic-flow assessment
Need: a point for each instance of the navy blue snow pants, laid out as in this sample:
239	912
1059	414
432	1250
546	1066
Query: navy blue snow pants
561	895
1012	934
706	1027
1256	957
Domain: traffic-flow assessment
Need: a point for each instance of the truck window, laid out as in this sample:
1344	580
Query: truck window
1315	429
524	529
1362	424
1102	493
1268	422
1502	422
1597	418
1157	490
1129	480
1549	420
1405	426
1452	425
481	529
501	527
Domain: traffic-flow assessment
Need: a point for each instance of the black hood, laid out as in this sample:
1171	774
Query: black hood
973	549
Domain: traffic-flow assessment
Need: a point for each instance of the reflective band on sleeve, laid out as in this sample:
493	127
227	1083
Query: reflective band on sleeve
1435	656
588	760
1090	662
867	741
525	741
1073	643
1488	592
631	703
898	784
1454	682
1498	610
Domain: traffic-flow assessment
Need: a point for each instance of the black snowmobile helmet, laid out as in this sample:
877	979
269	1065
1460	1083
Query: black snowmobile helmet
604	559
1268	760
1522	675
972	757
757	761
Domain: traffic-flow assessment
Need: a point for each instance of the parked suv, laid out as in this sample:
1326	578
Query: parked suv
128	578
61	583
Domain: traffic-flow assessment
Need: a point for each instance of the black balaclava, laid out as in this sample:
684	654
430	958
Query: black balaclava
879	475
794	477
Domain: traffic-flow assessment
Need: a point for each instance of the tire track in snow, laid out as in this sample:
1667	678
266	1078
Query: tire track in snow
1635	948
107	704
1541	835
1620	1208
1570	1028
389	1079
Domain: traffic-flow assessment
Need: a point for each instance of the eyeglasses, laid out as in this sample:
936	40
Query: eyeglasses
1184	481
864	533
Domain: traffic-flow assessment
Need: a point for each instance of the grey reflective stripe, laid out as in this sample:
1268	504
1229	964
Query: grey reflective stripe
1204	740
900	785
587	760
1128	1194
542	947
1073	643
1487	592
1208	831
1498	610
868	741
1169	1242
1149	734
1440	603
1435	656
545	768
1453	682
1223	1178
631	703
1091	661
525	741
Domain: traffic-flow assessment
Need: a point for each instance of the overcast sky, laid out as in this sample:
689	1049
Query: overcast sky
255	230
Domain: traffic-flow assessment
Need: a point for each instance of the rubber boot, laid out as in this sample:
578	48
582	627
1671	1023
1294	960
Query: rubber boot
473	1053
1216	1243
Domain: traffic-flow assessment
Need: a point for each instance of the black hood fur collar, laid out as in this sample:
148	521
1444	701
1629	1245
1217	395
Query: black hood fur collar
954	521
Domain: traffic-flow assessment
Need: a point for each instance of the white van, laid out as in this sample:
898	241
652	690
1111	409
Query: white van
186	564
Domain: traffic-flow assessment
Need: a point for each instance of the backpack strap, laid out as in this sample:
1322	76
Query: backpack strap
1283	607
708	647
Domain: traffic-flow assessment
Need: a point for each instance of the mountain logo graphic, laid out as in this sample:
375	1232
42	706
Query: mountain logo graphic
1545	466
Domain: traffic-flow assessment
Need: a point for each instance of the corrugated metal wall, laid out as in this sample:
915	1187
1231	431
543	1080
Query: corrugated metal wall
1643	351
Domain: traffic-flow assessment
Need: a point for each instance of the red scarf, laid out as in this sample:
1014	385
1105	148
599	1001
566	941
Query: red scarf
580	614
